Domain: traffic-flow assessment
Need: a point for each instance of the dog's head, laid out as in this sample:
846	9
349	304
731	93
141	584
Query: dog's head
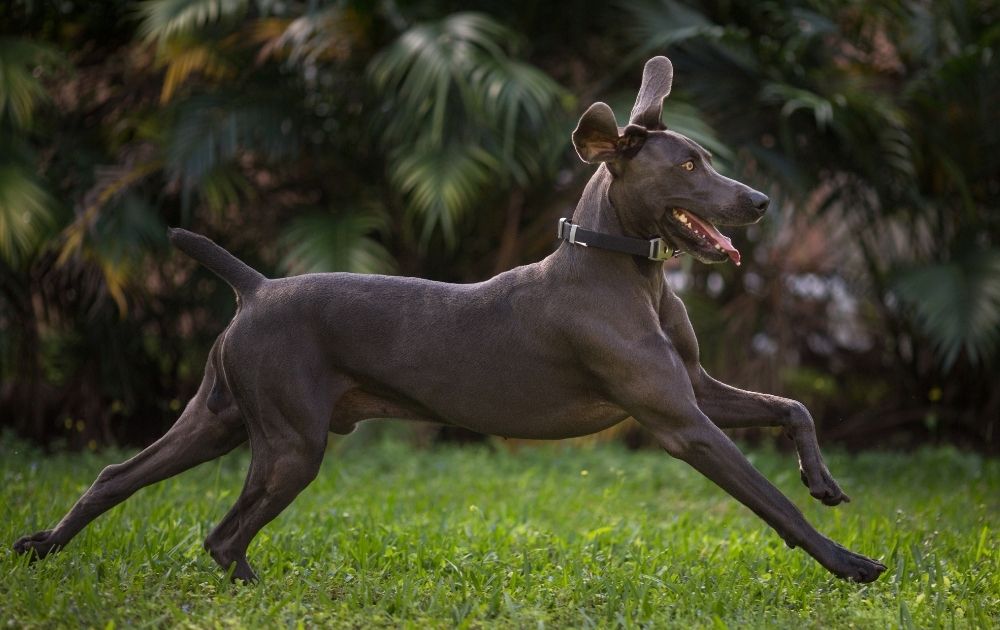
663	182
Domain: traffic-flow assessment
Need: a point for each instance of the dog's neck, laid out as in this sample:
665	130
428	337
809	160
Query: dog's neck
595	211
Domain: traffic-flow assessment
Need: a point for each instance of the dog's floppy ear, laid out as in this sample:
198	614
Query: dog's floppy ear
596	138
657	77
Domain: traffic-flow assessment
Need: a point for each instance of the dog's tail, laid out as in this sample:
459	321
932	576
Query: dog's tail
242	277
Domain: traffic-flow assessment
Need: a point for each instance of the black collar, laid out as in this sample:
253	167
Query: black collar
653	248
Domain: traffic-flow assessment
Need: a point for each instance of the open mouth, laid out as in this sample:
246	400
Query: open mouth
706	234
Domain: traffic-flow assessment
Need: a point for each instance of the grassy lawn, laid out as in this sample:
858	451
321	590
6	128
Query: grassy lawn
542	537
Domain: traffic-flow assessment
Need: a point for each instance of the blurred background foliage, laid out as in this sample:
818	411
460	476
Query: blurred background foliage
431	138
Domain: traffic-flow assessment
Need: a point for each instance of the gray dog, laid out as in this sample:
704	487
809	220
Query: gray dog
564	347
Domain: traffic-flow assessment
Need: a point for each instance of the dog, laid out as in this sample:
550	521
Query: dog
564	347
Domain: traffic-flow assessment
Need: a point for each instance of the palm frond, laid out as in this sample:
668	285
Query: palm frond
130	227
511	96
417	72
111	183
792	99
224	185
442	183
657	24
875	138
458	69
461	114
325	34
27	212
956	304
213	129
21	90
337	242
184	57
164	19
124	233
685	118
536	154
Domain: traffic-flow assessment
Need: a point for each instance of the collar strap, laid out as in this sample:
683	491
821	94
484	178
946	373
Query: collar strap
653	248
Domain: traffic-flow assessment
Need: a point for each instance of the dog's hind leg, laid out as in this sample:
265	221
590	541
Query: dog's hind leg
197	436
732	408
275	478
288	433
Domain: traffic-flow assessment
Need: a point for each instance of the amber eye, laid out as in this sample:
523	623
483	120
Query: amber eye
688	166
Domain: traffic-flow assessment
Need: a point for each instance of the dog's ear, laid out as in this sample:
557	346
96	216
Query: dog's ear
596	138
596	135
657	77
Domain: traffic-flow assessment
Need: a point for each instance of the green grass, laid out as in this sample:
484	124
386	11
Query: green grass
472	537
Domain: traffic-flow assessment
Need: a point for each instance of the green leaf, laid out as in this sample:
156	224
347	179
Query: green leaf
793	99
27	212
213	129
458	71
21	90
327	242
442	183
163	19
126	230
224	185
657	24
956	303
688	120
460	114
316	35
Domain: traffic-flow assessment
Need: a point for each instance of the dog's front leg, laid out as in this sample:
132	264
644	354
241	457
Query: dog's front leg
693	438
656	390
732	408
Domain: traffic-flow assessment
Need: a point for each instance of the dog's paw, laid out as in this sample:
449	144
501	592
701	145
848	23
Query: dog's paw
851	566
822	487
235	564
38	545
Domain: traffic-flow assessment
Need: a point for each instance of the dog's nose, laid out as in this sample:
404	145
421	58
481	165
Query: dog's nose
759	201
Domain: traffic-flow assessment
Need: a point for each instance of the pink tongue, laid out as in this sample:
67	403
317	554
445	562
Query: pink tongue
723	241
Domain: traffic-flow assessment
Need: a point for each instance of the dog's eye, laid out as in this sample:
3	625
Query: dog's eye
688	166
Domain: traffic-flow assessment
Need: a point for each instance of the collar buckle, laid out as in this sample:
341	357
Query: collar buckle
659	250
